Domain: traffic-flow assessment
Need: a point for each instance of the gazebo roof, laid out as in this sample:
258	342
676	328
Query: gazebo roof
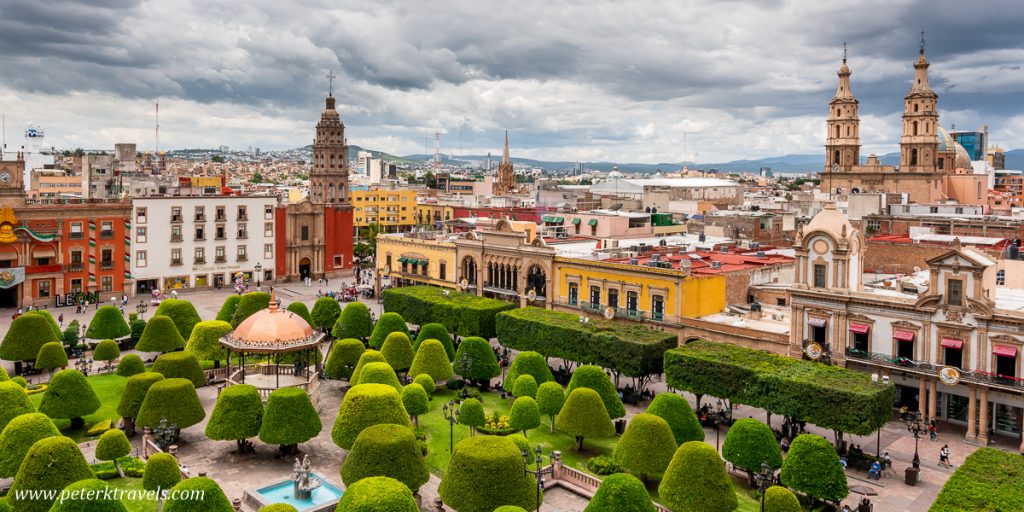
272	330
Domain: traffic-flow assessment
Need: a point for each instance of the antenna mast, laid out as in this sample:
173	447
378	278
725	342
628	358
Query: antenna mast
437	151
156	150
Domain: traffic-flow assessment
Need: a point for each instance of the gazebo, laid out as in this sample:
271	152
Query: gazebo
269	333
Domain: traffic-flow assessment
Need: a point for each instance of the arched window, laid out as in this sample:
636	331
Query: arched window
914	131
837	132
915	107
835	157
849	131
913	156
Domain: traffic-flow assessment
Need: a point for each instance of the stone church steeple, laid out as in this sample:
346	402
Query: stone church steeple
506	182
920	141
329	178
842	143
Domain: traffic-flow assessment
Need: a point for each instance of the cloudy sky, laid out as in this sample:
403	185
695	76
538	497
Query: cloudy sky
575	80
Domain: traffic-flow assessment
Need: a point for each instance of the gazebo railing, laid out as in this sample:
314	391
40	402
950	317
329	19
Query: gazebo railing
309	373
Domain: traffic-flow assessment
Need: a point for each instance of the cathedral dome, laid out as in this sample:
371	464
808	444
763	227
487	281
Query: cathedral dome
830	221
963	158
946	141
272	330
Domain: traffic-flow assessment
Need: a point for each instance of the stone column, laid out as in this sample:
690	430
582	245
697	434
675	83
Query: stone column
983	417
972	405
932	398
922	397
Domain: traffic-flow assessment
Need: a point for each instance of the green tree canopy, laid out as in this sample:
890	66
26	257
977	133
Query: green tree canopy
435	331
227	309
299	308
780	499
182	313
584	415
646	446
325	313
426	382
106	350
812	467
52	463
107	324
160	335
113	445
204	342
525	386
354	322
485	473
162	472
524	414
550	399
386	450
237	415
989	480
70	334
174	399
377	494
696	481
198	494
69	397
102	500
749	444
289	418
28	334
593	377
431	359
18	436
471	413
621	492
680	417
367	357
51	356
182	365
379	373
131	364
248	304
343	358
465	314
134	393
397	351
49	319
415	400
13	402
365	405
475	360
387	324
528	363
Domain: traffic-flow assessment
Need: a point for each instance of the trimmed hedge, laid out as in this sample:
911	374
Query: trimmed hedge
134	393
780	499
426	382
589	376
632	350
355	321
989	479
486	472
182	365
227	310
137	326
415	400
50	464
212	497
160	335
367	357
204	342
69	397
51	356
325	313
50	320
278	507
696	481
107	324
27	334
461	313
289	418
18	436
584	415
366	405
531	363
432	359
525	385
162	472
471	413
828	396
621	492
510	508
133	467
237	415
112	445
379	373
377	494
299	308
524	414
387	324
100	500
3	375
475	360
675	410
343	358
812	467
435	331
386	450
106	350
646	446
174	399
248	304
550	399
749	443
182	313
397	351
131	364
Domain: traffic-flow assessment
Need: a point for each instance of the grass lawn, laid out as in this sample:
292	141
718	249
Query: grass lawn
108	388
133	484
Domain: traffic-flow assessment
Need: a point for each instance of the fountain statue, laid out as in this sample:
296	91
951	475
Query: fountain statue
302	482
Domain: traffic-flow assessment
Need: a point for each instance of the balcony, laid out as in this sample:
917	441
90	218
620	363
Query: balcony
907	365
75	267
76	235
107	234
242	217
175	262
220	236
220	259
106	265
242	235
591	306
658	316
200	238
574	301
200	218
631	314
43	269
200	260
242	257
221	218
175	238
175	219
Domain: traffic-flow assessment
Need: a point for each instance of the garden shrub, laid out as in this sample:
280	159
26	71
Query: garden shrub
675	410
387	324
106	350
162	472
174	399
27	334
343	358
70	334
161	336
750	443
471	413
365	405
226	313
525	385
134	393
780	499
237	415
20	381
379	373
397	351
589	376
132	467
112	445
325	313
432	360
696	481
99	427
355	321
49	320
198	494
386	450
436	331
496	424
101	500
603	465
416	402
530	363
51	356
182	313
18	436
461	313
69	397
475	360
427	383
377	494
52	463
485	473
621	493
137	327
204	343
107	324
289	418
299	308
584	415
550	399
524	414
646	446
182	365
812	467
248	304
13	402
510	508
278	507
367	357
989	479
3	375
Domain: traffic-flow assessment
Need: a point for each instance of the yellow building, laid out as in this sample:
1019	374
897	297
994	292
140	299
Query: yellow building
394	210
407	259
433	215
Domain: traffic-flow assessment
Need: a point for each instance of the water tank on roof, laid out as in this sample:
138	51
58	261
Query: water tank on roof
760	254
755	306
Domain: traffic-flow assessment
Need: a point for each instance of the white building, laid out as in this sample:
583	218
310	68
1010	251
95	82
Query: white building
201	241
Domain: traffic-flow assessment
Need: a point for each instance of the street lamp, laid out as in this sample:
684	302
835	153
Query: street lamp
915	426
259	270
718	418
451	413
165	434
764	479
142	308
540	471
83	365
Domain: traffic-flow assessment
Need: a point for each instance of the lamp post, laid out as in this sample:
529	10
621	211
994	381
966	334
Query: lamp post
540	472
142	308
764	479
451	413
915	427
83	365
165	434
259	270
718	418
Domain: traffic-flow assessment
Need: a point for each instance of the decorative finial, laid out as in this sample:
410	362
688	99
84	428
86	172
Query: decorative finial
844	52
273	300
922	42
330	78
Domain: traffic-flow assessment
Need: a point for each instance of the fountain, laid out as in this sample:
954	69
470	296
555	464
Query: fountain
304	490
303	484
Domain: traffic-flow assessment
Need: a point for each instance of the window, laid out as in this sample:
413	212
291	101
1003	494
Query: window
218	254
442	270
76	260
200	233
242	214
954	292
44	288
220	232
1005	366
913	156
140	258
200	214
176	256
243	231
242	254
140	234
632	301
200	255
176	214
268	212
107	259
221	215
613	298
76	231
76	285
1001	278
861	341
268	251
304	235
953	357
140	215
175	233
780	301
820	276
657	307
933	209
818	334
595	296
107	283
268	229
874	225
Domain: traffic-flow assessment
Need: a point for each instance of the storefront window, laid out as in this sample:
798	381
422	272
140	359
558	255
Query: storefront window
1008	419
957	408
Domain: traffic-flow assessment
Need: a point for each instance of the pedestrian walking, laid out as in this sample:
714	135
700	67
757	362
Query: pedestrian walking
932	433
944	456
60	319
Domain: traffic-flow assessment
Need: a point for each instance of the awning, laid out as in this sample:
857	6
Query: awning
553	219
576	221
1003	350
592	222
424	262
860	328
43	252
816	322
903	335
952	343
403	259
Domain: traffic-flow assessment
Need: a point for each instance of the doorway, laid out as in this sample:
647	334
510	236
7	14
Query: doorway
9	297
305	267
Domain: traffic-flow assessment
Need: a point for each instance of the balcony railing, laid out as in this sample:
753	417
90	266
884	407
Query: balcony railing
175	238
658	316
200	260
107	234
75	267
176	262
242	257
76	235
106	265
930	369
176	219
632	314
200	218
591	306
221	218
243	217
219	259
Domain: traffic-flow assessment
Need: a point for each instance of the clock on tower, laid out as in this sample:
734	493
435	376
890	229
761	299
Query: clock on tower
11	183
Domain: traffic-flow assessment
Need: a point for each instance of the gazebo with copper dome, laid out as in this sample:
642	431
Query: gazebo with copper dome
272	332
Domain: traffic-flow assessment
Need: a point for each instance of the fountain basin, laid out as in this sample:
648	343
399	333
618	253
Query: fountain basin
323	499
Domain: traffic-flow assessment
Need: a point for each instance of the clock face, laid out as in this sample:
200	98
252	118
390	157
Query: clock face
5	177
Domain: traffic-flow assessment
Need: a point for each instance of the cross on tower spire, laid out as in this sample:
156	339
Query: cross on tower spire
330	78
922	42
844	52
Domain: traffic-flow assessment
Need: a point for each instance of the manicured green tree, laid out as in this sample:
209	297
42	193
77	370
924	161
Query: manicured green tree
162	473
289	419
365	405
18	436
137	327
646	446
528	362
416	402
107	324
680	417
106	350
248	304
436	331
3	375
367	357
226	313
593	377
696	481
4	506
510	508
70	334
20	381
780	499
52	356
13	402
51	464
204	342
28	334
101	499
299	308
471	414
524	414
237	416
174	399
278	507
386	450
475	360
379	373
397	351
182	313
343	358
69	397
325	313
198	494
160	335
134	394
485	473
131	364
812	467
525	385
550	399
377	494
113	445
621	492
387	324
584	415
431	359
182	365
426	382
49	319
749	444
355	321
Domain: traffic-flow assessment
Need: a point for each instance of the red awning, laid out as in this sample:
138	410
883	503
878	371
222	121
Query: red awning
859	328
952	343
816	322
1003	350
903	335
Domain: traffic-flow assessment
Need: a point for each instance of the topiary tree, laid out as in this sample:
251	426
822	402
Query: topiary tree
134	394
812	467
19	380
365	405
510	508
249	304
780	499
436	331
525	385
485	473
237	416
343	358
325	313
107	324
584	415
101	500
204	343
289	419
3	375
52	356
174	399
431	359
379	373
397	351
49	319
426	382
278	507
593	377
70	334
647	446
161	473
750	443
386	450
471	414
137	326
51	464
299	308
226	313
182	313
550	399
355	321
416	402
198	494
696	481
620	492
367	357
113	445
106	350
524	414
13	402
680	417
130	365
160	335
69	397
531	363
28	334
18	436
376	494
387	324
475	360
183	365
